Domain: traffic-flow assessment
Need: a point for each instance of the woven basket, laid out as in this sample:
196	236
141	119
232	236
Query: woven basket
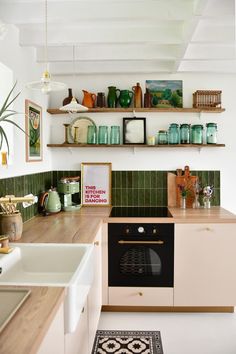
207	99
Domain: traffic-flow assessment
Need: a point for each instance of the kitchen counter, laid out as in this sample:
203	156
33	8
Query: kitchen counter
25	331
81	226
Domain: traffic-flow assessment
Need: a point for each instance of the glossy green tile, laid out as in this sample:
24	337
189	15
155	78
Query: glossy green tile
141	193
164	197
153	179
130	197
140	179
211	178
10	186
130	179
113	179
164	179
135	179
204	178
124	183
147	197
124	197
217	179
135	192
159	179
2	187
216	197
147	179
153	199
118	179
159	197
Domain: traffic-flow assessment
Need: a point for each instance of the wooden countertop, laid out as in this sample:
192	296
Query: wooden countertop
81	226
26	330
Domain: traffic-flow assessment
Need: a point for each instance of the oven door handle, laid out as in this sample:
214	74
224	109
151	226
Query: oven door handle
159	242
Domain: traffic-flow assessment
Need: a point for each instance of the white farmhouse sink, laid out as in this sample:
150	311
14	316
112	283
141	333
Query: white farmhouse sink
61	265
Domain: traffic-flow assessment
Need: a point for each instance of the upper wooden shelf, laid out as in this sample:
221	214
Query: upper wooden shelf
131	109
72	145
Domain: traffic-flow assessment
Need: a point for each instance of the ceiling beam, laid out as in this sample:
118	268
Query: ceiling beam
72	35
111	67
109	52
76	11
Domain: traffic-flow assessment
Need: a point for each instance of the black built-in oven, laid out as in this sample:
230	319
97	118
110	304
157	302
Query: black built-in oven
141	254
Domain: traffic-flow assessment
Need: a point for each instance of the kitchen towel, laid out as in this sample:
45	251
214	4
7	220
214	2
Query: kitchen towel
128	342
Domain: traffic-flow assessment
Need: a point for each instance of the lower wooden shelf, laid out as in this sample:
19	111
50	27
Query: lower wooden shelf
198	146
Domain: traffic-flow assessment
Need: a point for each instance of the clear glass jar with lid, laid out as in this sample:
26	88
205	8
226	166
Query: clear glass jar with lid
173	133
162	137
197	134
211	133
184	133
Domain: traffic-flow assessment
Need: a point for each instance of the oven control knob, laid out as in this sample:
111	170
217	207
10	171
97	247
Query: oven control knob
127	230
154	230
141	229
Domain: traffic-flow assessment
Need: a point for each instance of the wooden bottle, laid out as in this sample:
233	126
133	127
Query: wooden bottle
137	95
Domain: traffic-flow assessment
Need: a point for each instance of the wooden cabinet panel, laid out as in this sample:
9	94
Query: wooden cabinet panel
132	296
205	265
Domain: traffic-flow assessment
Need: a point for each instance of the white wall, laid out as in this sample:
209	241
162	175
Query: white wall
222	159
21	61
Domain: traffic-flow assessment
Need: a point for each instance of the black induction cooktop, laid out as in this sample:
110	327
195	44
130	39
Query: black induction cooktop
143	212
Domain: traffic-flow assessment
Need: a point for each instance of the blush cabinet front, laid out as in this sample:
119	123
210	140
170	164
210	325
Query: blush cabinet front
205	265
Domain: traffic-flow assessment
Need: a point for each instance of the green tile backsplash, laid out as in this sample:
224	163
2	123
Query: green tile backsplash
149	188
129	188
22	185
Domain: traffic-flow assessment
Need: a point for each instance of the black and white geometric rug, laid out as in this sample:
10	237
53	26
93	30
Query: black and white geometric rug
127	342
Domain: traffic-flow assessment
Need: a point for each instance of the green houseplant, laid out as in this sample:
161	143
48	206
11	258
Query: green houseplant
5	114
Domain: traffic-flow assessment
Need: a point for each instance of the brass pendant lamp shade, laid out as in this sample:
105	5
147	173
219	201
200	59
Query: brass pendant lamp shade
45	84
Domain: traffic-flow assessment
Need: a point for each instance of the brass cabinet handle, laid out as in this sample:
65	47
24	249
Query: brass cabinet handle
140	294
96	243
160	242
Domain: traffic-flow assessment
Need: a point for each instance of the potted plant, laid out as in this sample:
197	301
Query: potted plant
5	114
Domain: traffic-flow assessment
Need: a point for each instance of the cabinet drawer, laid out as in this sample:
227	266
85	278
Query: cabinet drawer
132	296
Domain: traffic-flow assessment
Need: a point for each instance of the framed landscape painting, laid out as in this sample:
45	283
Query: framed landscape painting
33	127
166	93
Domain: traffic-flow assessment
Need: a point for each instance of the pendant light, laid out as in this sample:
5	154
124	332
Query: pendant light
73	106
45	84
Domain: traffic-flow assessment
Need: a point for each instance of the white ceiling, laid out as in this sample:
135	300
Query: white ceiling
128	36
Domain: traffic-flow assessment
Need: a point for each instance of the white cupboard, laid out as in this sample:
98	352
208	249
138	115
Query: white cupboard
204	265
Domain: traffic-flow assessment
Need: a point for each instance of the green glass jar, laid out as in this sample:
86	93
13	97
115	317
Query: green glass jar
173	133
197	134
162	137
211	133
115	135
92	134
103	134
185	134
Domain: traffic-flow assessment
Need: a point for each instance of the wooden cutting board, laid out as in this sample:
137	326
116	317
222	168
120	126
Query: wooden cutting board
171	189
188	182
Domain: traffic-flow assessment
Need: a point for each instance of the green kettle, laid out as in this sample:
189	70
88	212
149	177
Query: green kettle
50	201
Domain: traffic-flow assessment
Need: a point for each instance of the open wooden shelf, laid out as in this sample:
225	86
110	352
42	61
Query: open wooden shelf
150	110
134	146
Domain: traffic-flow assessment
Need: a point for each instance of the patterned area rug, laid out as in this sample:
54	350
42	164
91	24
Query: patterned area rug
127	342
